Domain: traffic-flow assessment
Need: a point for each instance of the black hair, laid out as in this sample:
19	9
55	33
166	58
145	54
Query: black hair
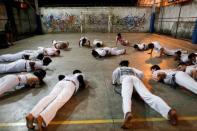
58	51
98	44
156	67
191	55
61	77
119	34
84	40
178	53
81	82
135	46
26	57
181	63
150	45
161	81
95	54
47	61
76	71
124	63
40	56
40	74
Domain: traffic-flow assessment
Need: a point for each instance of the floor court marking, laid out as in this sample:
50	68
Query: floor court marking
102	121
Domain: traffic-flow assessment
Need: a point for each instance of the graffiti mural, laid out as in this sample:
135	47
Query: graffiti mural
60	22
95	19
99	19
129	22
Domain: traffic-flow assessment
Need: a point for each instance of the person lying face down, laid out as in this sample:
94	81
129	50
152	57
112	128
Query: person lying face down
97	43
60	44
130	78
26	54
154	46
189	69
188	59
163	50
181	57
192	58
84	41
107	51
23	65
175	78
49	51
140	47
11	81
47	107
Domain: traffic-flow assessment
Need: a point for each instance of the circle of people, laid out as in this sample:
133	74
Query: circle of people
35	63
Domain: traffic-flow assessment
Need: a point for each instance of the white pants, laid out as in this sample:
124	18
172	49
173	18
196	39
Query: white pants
183	79
17	66
116	51
155	102
7	83
17	56
48	106
11	57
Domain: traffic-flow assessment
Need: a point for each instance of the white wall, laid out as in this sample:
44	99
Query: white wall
170	15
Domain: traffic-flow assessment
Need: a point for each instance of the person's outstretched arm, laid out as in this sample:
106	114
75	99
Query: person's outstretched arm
32	65
161	52
79	43
89	43
151	52
115	76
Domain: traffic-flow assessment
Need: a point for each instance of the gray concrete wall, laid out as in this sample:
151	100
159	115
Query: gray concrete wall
167	19
95	19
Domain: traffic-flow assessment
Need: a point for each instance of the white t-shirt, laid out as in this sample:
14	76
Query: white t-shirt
101	51
74	79
157	46
57	44
170	52
38	65
169	74
190	68
81	40
184	57
23	79
121	72
97	41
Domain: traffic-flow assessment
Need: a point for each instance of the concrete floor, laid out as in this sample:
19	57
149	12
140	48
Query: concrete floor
99	101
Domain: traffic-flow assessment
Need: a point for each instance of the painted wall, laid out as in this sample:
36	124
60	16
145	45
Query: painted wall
95	19
169	24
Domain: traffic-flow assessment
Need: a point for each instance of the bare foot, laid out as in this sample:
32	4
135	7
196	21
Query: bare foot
29	121
125	51
126	124
39	122
173	118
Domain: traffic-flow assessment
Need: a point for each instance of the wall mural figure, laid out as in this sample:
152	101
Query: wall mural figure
60	22
129	22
